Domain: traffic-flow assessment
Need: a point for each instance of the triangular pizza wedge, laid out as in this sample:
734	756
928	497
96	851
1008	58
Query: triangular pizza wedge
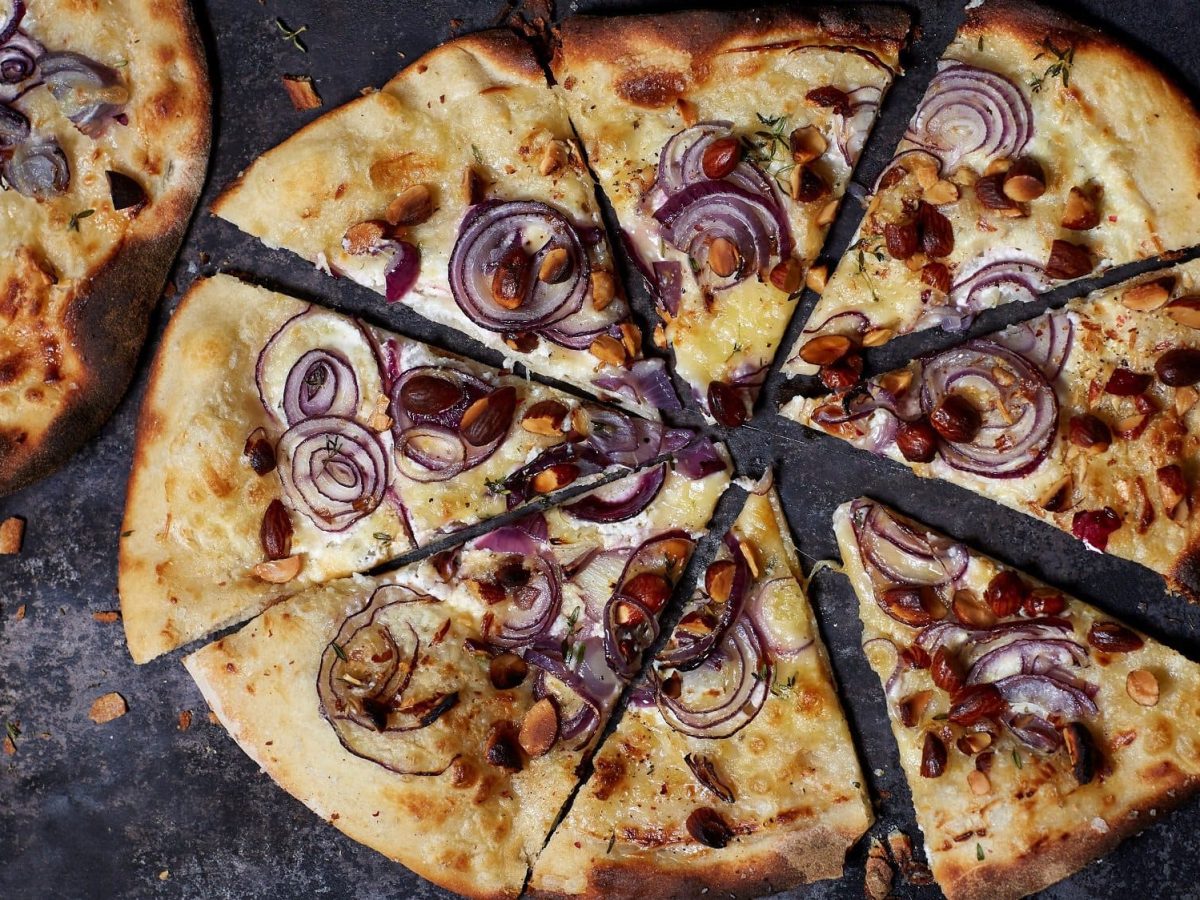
282	444
438	714
459	190
1036	732
732	769
1042	152
1084	417
724	141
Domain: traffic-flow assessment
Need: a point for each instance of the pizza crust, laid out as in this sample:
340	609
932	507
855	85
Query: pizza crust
105	310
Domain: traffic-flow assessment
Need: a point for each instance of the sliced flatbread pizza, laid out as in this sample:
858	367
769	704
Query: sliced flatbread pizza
1035	731
724	141
1084	417
282	444
459	190
438	714
1042	152
104	137
732	770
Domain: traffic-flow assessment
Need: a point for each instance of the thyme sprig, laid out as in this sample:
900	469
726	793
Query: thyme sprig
771	149
862	249
292	34
1060	68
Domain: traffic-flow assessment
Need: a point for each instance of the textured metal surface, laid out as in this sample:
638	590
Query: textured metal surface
139	808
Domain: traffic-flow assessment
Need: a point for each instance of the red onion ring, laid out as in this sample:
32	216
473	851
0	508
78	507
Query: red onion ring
780	644
494	227
1027	656
685	651
852	130
952	634
1045	341
646	382
1046	696
901	553
544	600
744	693
10	25
429	453
582	724
621	500
401	272
83	88
333	470
321	383
1019	417
969	110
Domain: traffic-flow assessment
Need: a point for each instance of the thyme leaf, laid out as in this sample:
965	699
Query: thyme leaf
339	652
73	225
292	34
1060	68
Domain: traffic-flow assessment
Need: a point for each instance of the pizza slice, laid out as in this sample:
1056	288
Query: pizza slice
724	141
732	770
104	138
1042	152
1035	731
459	191
282	444
438	714
1084	417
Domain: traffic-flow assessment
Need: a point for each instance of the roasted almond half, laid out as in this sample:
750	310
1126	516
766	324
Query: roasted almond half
1185	310
1147	296
539	729
279	571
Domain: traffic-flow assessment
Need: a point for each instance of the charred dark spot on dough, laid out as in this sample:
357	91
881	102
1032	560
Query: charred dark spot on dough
610	773
651	87
12	367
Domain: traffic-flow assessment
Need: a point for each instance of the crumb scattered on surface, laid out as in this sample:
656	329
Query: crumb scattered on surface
185	720
12	532
108	707
9	747
911	869
107	616
20	612
301	91
877	884
164	875
212	717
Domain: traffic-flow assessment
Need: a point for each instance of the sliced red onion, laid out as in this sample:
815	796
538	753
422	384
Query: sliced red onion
646	382
892	686
1033	731
685	650
321	383
624	643
681	160
721	697
14	127
1009	279
699	459
18	60
967	110
579	726
855	322
540	602
38	170
89	93
904	555
333	470
527	536
1028	656
706	210
402	271
954	635
776	607
852	130
492	229
1045	697
298	377
621	500
470	388
579	330
1017	406
1045	341
901	159
9	26
429	453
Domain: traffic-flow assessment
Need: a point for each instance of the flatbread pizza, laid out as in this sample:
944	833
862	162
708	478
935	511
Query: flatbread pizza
438	714
1043	151
458	190
1036	732
282	445
104	136
732	770
724	141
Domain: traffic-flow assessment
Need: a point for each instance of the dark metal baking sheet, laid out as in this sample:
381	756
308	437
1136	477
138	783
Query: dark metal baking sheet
139	808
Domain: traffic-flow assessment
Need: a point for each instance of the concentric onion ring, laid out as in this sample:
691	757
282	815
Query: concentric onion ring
494	228
89	93
967	110
321	383
1045	341
333	469
1018	408
721	697
533	607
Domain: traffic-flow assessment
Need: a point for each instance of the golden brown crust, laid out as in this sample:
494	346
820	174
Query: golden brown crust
778	862
702	34
109	312
1055	857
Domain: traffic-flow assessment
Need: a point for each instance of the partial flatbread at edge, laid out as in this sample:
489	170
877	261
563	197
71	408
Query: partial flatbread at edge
246	375
1079	428
81	267
1094	116
770	81
794	798
1028	817
475	123
476	827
